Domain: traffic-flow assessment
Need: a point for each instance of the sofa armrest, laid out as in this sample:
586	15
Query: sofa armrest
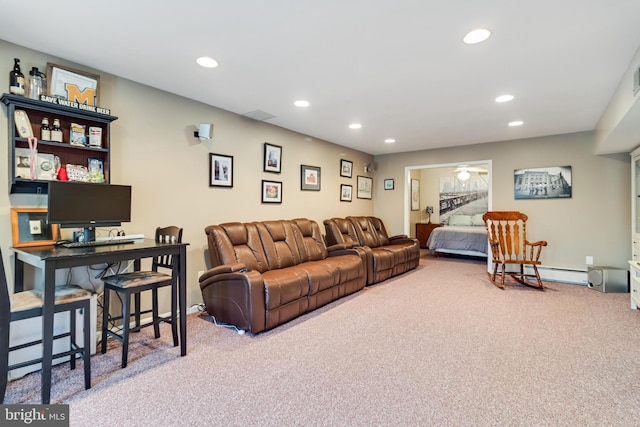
401	238
235	295
339	246
226	268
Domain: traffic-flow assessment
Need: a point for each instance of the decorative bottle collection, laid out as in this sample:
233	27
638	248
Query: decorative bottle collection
17	82
16	79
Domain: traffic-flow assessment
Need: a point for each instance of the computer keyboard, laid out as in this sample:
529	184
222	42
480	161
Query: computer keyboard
95	243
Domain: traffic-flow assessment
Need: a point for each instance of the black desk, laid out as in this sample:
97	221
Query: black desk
50	258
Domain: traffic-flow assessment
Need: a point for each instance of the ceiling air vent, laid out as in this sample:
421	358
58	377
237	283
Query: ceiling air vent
259	115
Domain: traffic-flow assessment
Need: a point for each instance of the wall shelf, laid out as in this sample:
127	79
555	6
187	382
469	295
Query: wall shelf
68	154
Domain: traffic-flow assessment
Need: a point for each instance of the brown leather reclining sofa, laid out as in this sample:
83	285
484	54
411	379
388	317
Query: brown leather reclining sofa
266	273
386	256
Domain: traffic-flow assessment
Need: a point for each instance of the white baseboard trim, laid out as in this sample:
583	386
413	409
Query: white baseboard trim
561	274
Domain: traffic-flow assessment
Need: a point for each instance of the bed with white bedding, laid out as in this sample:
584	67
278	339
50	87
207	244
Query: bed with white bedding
463	235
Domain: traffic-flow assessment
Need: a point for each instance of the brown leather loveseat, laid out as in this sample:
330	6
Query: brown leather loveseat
266	273
386	256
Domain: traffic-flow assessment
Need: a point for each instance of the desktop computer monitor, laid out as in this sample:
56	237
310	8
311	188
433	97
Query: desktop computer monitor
88	205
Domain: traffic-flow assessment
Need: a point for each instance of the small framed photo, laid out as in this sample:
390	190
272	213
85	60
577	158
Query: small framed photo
29	227
346	193
365	185
272	158
271	191
73	85
346	168
388	184
309	178
220	170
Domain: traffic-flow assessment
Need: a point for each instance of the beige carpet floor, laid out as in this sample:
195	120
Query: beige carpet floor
439	346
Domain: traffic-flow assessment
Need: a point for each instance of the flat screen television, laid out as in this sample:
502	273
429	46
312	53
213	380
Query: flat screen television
88	205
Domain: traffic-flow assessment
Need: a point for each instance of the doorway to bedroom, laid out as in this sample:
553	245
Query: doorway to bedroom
444	194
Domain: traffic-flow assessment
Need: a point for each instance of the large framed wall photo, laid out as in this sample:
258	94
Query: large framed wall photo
365	186
542	183
220	170
272	158
309	178
29	227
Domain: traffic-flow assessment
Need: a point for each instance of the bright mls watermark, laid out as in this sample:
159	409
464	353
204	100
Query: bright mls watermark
35	415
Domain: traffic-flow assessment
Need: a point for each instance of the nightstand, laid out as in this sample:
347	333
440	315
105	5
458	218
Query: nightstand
423	231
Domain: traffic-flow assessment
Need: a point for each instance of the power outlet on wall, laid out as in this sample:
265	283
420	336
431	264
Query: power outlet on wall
589	260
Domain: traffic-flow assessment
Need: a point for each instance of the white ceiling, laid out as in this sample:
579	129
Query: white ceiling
398	67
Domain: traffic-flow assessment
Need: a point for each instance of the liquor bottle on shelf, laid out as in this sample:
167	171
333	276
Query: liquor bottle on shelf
45	130
16	79
56	131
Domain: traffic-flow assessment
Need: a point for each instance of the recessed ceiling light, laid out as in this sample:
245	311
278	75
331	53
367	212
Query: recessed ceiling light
516	123
301	103
389	141
504	98
476	36
355	126
207	62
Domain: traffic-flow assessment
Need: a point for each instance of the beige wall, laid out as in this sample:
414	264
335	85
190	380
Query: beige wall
154	150
595	221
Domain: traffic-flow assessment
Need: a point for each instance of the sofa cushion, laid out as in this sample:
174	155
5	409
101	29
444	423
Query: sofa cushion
235	242
340	231
279	244
365	231
285	285
310	243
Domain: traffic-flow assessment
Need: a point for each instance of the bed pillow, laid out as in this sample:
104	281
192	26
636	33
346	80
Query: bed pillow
477	220
460	220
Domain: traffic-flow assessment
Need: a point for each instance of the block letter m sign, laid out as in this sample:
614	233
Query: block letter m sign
86	96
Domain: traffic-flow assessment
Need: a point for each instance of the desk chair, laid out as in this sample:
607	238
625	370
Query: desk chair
128	284
27	305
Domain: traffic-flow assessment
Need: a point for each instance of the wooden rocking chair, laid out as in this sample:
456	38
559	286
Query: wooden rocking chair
507	233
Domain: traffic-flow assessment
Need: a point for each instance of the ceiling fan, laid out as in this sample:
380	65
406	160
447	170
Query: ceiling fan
463	171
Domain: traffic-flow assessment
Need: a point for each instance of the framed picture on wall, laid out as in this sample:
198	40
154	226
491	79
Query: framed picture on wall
73	85
346	168
365	185
220	170
309	178
389	184
542	183
271	191
346	192
272	158
415	195
29	227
